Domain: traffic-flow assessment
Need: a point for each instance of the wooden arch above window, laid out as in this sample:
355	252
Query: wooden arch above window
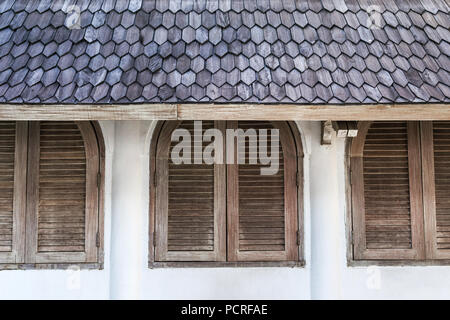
400	191
225	212
50	180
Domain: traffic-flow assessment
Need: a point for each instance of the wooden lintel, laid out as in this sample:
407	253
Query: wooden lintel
85	112
314	112
193	111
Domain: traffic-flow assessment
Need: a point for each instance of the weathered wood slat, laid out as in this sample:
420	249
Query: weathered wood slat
7	158
393	146
262	208
438	206
190	201
61	145
62	193
387	191
252	206
13	169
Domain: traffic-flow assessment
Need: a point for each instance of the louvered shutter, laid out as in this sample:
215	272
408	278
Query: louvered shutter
436	187
386	192
13	155
62	193
190	202
262	209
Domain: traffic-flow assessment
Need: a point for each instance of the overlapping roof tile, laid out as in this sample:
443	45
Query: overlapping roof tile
285	51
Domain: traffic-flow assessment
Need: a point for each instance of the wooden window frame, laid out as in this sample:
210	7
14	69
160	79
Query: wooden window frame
161	252
28	259
423	229
154	180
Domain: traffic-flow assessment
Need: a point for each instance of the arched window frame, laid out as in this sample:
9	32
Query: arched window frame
25	223
422	170
153	263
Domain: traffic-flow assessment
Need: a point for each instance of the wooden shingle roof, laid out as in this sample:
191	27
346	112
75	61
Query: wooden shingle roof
269	51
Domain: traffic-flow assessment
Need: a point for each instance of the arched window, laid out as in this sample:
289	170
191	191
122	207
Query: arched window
226	211
50	189
401	191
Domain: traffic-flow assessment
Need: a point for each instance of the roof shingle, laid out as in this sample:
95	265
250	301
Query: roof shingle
286	51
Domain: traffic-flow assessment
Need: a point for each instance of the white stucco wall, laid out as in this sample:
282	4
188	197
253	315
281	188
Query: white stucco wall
126	275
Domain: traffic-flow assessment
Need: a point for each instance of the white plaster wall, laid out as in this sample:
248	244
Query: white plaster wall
126	275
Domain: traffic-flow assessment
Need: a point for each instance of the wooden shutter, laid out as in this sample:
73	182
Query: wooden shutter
262	209
62	212
190	202
436	187
386	192
13	168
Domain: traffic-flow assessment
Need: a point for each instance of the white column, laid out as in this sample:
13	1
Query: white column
325	219
127	211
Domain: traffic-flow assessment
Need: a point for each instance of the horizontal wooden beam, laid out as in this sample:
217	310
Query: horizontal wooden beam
225	112
83	112
314	112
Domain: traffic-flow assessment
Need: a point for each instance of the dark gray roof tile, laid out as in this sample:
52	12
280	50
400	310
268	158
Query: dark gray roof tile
47	93
222	18
66	92
248	49
150	91
419	92
270	34
201	35
249	76
414	77
118	91
284	34
372	93
242	62
307	93
244	91
227	62
203	78
114	76
197	64
261	92
278	49
206	50
188	78
434	92
180	48
169	64
264	76
370	78
208	19
431	64
272	62
264	49
219	78
183	93
183	64
388	93
234	77
155	63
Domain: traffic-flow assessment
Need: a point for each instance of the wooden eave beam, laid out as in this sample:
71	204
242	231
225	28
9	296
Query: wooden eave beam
362	112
